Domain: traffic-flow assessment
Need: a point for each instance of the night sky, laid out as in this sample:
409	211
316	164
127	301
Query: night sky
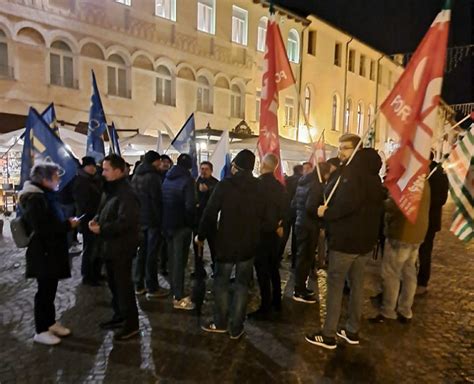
397	26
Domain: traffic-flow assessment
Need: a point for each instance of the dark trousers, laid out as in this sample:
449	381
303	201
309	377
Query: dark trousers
91	263
267	263
178	251
119	278
307	238
424	257
45	313
164	254
211	241
145	266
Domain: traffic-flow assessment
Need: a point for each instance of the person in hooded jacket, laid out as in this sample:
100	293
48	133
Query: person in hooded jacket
165	166
117	227
87	191
240	202
179	206
146	183
309	195
47	257
353	218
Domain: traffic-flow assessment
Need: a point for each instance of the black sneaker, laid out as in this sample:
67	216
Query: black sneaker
402	319
310	292
238	335
126	334
111	324
321	341
304	298
379	319
351	338
212	328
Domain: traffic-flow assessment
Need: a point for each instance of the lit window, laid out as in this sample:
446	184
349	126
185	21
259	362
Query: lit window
360	117
166	9
124	2
335	112
117	77
239	25
289	112
258	103
61	67
164	94
362	71
236	102
4	67
293	46
347	115
206	16
307	101
262	34
351	63
203	95
337	54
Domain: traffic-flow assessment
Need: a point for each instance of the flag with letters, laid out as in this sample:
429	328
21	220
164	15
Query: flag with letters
411	110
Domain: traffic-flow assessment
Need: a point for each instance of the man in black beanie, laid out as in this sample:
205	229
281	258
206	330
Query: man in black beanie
147	184
239	201
179	205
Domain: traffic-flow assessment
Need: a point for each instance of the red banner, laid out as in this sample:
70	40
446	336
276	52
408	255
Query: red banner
411	110
277	75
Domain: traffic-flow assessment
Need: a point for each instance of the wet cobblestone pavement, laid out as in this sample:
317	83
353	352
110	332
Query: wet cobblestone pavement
437	347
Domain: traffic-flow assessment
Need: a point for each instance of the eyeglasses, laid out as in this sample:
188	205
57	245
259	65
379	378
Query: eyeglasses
345	148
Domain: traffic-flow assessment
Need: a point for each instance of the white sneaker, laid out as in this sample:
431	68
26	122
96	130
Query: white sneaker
185	303
46	338
59	330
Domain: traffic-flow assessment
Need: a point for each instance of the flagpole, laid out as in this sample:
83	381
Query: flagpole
11	146
352	156
454	126
184	125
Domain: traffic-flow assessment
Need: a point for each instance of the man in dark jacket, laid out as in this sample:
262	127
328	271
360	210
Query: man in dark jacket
309	195
239	201
353	217
117	225
267	261
147	185
87	190
439	186
205	185
179	205
165	165
291	185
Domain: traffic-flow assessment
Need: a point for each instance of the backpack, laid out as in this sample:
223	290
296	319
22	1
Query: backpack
20	234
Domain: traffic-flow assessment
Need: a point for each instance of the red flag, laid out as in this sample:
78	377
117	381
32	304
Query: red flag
411	110
277	76
319	152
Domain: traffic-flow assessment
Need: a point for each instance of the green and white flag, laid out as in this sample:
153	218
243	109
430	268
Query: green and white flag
460	171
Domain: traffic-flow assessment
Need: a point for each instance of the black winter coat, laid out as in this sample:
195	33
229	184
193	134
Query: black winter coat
276	202
118	218
87	191
240	202
147	185
47	254
179	200
439	186
203	197
353	214
308	197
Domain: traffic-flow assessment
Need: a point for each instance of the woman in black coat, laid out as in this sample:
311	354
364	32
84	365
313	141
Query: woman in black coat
47	257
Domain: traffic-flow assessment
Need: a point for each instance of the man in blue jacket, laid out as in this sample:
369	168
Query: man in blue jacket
179	205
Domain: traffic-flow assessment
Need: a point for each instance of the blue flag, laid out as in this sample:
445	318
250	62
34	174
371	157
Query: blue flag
49	116
185	142
41	143
97	125
114	141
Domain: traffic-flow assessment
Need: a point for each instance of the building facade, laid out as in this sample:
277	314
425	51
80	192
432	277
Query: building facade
158	61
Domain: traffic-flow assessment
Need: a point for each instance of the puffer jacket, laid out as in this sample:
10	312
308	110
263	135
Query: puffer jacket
308	197
147	185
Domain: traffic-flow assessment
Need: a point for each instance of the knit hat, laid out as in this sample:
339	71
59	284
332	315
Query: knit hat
245	160
151	157
87	160
185	161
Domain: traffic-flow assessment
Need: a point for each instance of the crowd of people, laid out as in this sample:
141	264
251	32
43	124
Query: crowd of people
136	226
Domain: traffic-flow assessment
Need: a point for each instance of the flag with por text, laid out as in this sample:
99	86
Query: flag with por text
411	110
185	142
97	125
220	158
41	143
277	75
459	167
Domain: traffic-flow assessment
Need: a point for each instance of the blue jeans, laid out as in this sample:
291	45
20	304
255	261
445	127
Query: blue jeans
178	251
399	264
145	266
342	265
230	312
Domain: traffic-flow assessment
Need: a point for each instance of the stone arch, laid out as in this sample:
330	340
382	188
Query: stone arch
143	62
222	81
64	36
30	34
120	51
92	48
185	71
